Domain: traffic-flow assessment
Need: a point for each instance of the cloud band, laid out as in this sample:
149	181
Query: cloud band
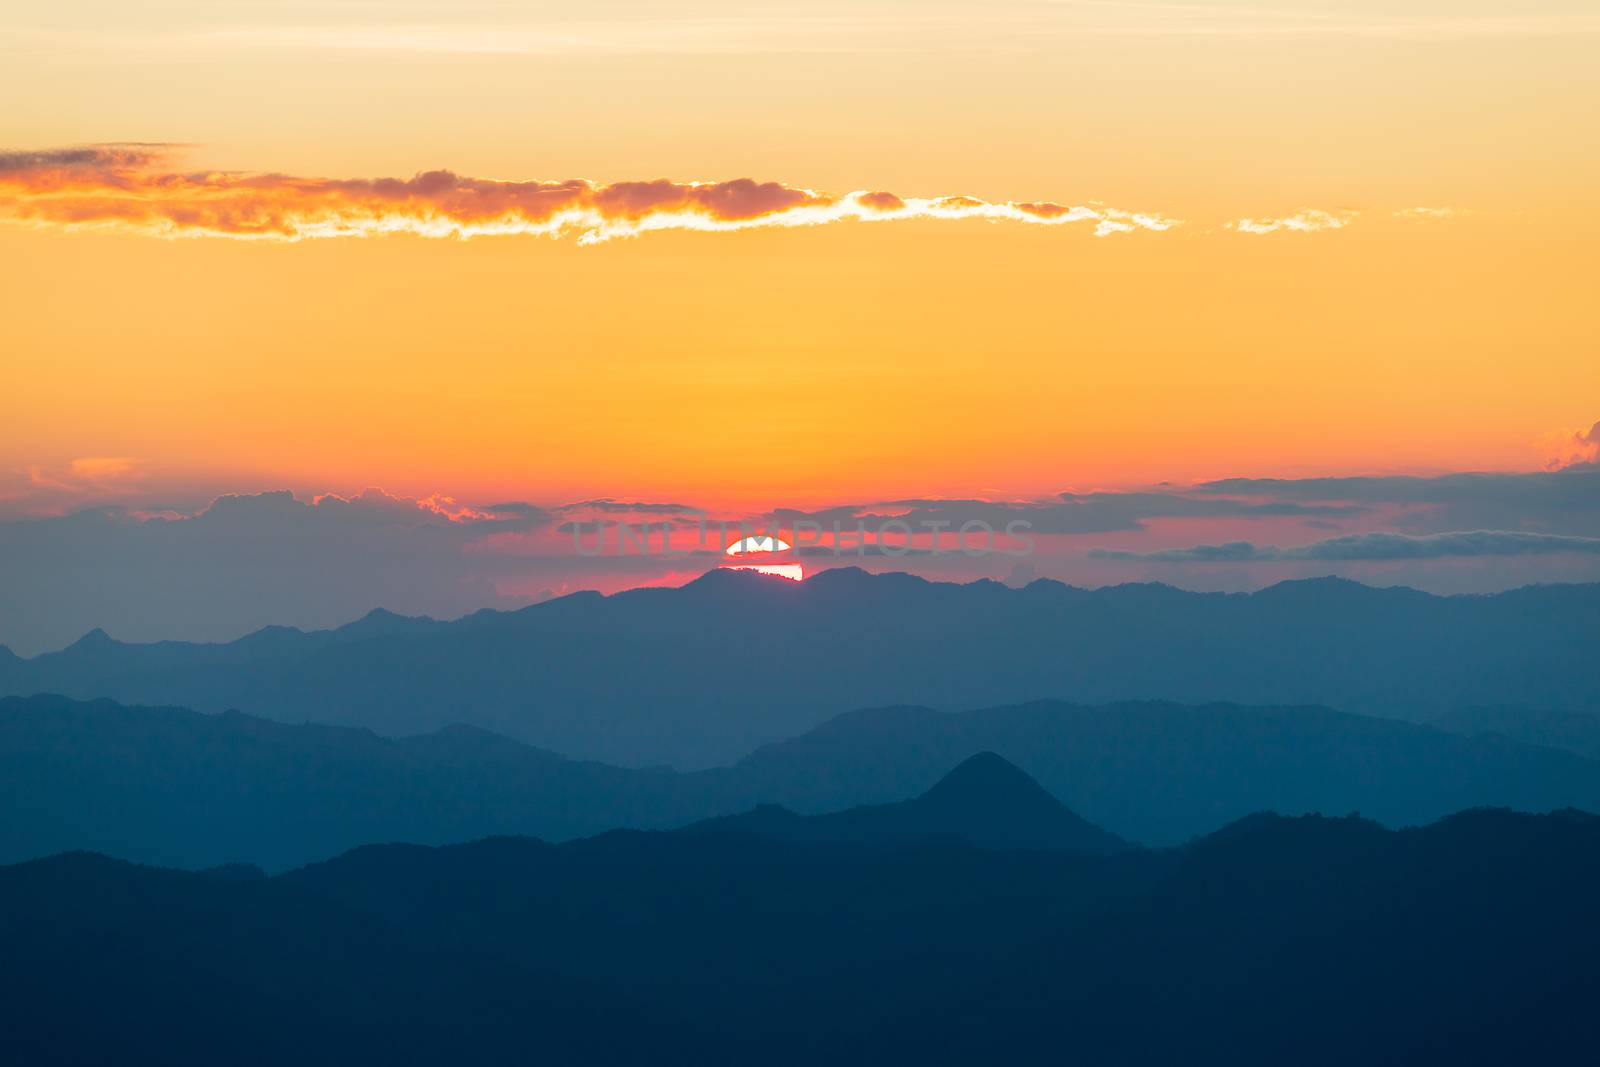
1372	546
129	187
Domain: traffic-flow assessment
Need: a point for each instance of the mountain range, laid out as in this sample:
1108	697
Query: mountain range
704	674
986	802
1308	940
178	788
1575	731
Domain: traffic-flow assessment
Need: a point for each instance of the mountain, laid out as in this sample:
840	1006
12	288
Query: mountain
174	787
110	963
1307	940
985	802
700	675
179	788
1161	773
1574	731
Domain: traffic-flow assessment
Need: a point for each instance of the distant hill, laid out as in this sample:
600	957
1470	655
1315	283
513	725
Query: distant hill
1574	731
1160	773
175	787
701	675
178	788
1309	940
985	802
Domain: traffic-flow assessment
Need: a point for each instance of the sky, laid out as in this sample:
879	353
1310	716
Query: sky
732	258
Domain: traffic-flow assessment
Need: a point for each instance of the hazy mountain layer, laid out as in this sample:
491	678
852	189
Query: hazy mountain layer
704	674
179	788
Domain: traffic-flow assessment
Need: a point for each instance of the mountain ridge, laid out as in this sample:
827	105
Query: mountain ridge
376	619
647	677
984	801
182	788
1469	940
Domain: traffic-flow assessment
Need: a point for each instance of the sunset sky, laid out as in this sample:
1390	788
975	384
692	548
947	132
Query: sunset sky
1349	238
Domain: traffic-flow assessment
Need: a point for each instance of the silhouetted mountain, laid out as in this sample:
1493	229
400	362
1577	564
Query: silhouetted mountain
1574	731
985	802
703	674
1162	773
235	872
1281	940
108	963
170	786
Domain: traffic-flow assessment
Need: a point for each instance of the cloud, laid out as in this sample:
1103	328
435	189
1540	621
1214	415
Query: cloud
1426	214
1575	448
606	505
101	469
247	561
1372	546
1590	442
133	188
1309	220
1560	501
1072	513
80	481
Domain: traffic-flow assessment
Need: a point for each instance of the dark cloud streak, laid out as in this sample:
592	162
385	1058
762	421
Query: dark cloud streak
1371	547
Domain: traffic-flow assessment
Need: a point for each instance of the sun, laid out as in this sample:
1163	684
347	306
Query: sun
766	555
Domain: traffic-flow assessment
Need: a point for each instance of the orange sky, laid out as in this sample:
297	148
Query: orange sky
818	365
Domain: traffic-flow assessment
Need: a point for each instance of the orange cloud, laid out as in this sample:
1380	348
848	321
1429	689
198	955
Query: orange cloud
127	187
1572	447
39	489
1309	220
86	473
452	509
102	468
